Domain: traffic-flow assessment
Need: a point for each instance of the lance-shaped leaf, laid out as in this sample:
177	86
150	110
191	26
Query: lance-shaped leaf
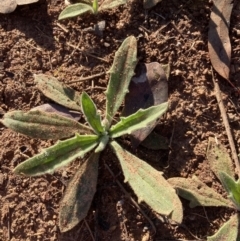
58	155
219	158
232	187
90	111
57	92
149	185
79	193
74	10
198	193
121	73
228	232
138	120
43	125
108	4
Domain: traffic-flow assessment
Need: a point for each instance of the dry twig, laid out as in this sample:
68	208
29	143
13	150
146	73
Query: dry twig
86	53
90	231
226	124
62	27
87	78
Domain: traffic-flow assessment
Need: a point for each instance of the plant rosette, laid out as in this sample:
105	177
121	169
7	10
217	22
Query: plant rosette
148	184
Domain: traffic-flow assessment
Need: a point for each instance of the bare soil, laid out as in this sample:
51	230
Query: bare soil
33	41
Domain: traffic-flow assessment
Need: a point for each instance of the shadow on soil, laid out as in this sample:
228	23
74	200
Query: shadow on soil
33	21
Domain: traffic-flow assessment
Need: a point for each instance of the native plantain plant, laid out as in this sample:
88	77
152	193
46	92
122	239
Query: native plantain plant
148	184
199	194
74	10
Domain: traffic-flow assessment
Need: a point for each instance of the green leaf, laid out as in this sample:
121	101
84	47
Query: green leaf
102	143
232	187
121	72
219	158
149	184
75	10
95	6
90	111
58	155
43	125
79	193
198	193
138	120
228	232
57	92
108	4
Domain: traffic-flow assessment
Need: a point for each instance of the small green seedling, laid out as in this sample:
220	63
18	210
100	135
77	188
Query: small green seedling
148	184
199	194
74	10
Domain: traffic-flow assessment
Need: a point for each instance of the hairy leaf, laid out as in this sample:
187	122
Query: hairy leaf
219	44
57	92
79	193
43	125
121	73
103	141
198	193
58	155
138	120
148	87
232	187
108	4
150	3
149	185
90	111
219	158
8	6
75	10
228	232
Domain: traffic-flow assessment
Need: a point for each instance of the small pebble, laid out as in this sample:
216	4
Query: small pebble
106	44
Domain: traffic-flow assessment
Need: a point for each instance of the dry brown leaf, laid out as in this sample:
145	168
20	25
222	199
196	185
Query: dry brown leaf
219	45
148	87
8	6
